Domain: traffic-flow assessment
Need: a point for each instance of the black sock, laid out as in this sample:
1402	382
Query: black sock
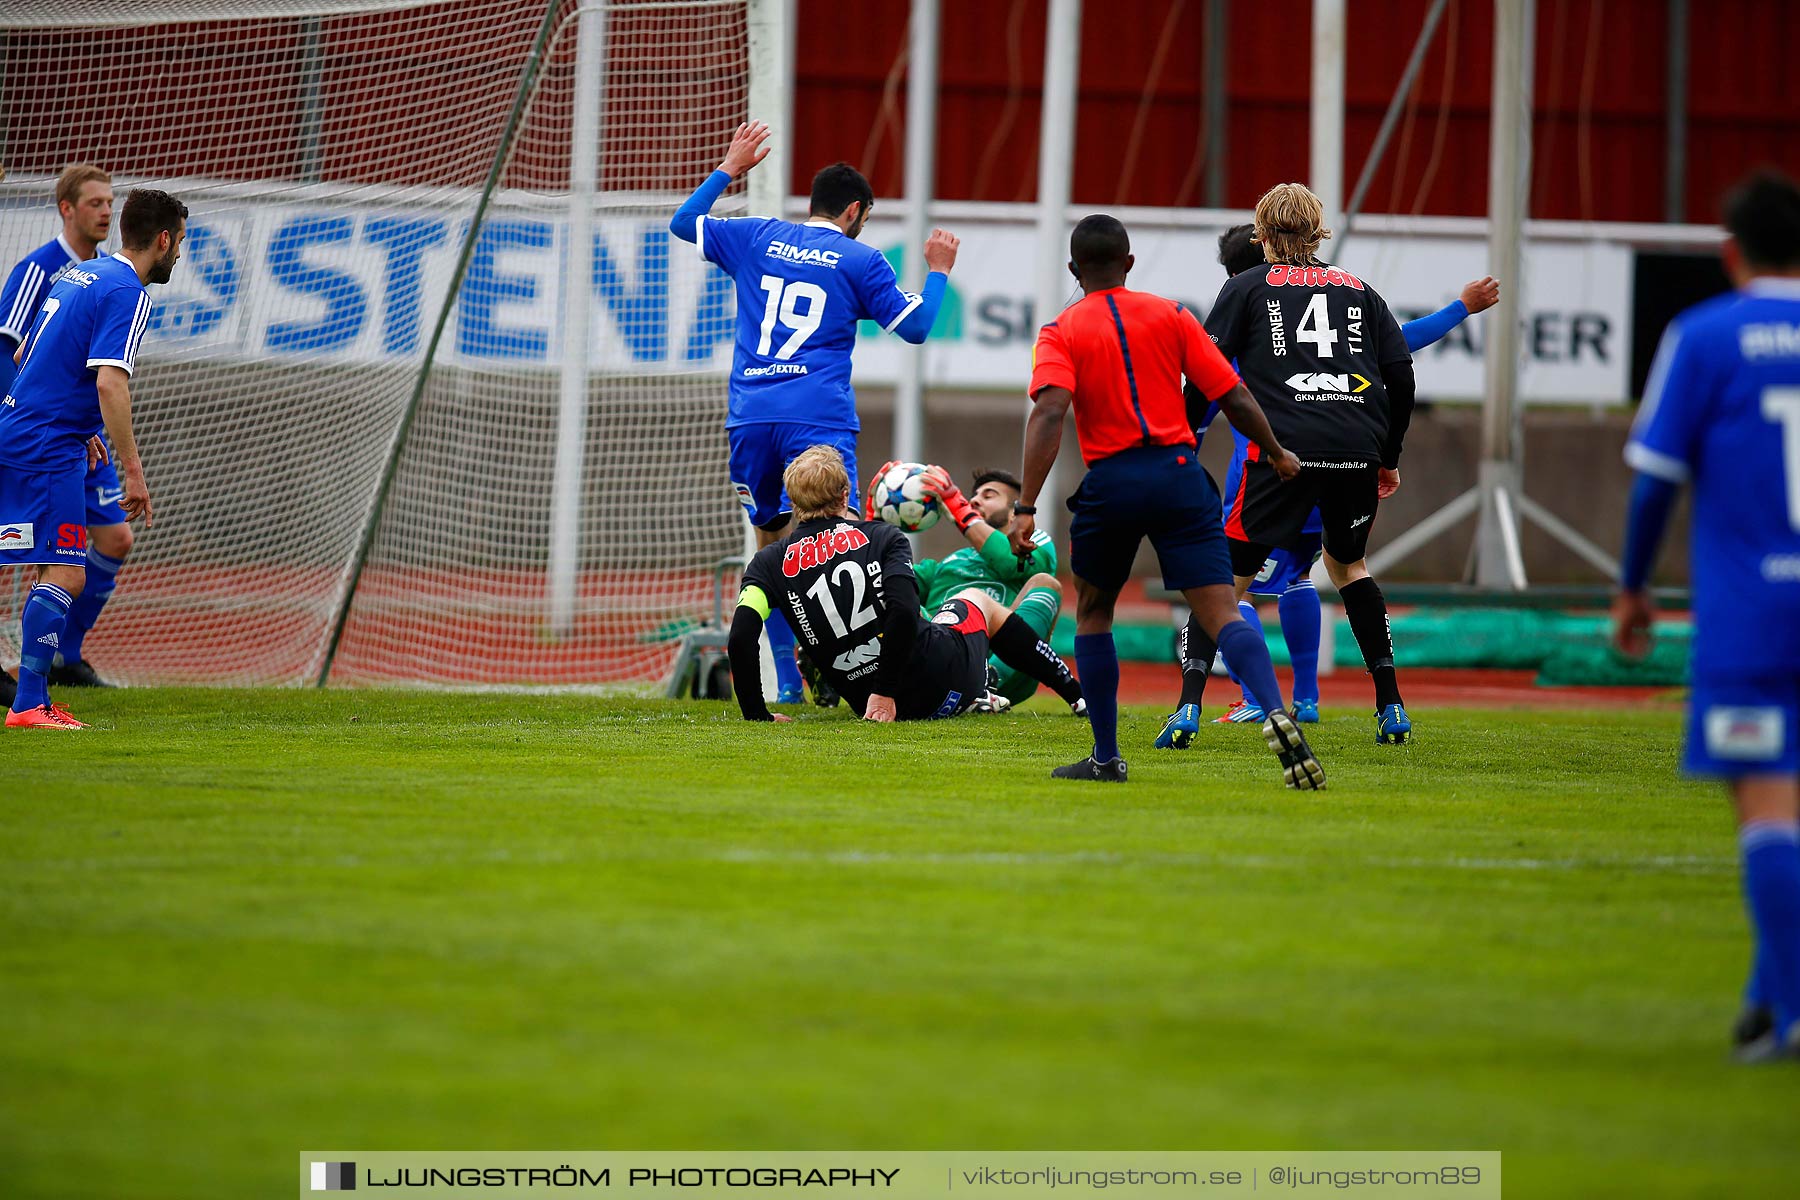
1196	652
1367	610
1018	646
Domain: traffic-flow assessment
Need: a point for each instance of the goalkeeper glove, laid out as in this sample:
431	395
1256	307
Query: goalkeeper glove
938	483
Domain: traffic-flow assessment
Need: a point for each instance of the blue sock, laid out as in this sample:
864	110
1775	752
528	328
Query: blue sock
781	646
40	630
1247	655
1772	884
1300	628
1097	663
102	577
1246	610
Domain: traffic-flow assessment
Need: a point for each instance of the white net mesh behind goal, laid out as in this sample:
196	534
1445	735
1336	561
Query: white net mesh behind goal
333	156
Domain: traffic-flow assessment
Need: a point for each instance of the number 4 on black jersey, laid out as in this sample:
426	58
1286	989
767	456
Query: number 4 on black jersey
1313	344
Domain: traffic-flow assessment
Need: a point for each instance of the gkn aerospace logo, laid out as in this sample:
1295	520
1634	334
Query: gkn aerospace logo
1321	385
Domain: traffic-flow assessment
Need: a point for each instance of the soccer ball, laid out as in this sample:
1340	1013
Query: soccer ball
900	499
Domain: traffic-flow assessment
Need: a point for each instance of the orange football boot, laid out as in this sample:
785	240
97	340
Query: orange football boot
44	716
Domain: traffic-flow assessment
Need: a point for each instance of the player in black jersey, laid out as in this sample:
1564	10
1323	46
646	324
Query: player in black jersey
847	590
1323	355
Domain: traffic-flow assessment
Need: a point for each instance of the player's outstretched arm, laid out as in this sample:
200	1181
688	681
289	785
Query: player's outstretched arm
1477	296
1247	417
114	386
744	649
747	149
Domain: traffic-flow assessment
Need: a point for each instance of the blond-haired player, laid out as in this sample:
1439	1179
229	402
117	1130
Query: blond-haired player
1327	362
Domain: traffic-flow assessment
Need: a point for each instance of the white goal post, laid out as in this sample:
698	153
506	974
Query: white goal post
444	219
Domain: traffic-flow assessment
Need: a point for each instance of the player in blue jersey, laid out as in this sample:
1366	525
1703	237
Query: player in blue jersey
74	379
84	200
1722	411
1286	573
801	289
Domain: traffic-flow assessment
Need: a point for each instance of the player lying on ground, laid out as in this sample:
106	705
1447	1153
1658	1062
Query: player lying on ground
1025	583
1117	357
75	378
84	201
1327	362
847	589
1722	410
801	289
1286	573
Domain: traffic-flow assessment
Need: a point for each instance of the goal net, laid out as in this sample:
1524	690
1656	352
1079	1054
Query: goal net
559	502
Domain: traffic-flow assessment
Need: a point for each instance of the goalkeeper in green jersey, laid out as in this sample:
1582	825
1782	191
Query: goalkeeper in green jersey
1025	583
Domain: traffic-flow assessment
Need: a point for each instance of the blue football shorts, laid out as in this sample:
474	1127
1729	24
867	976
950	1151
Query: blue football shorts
104	492
1157	492
43	516
1743	725
1287	565
760	453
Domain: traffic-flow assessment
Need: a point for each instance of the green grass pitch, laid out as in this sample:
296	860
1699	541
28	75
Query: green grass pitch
235	925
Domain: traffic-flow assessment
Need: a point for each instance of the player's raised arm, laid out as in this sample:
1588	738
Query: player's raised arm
746	150
900	312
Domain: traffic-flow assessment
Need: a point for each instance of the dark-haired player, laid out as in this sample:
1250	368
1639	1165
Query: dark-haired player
74	378
84	202
1286	573
1025	583
801	289
846	588
1117	358
1329	366
1722	411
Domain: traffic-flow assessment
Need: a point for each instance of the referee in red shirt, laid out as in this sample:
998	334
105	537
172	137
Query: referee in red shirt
1118	357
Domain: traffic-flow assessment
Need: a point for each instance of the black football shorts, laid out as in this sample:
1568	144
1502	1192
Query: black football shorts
949	665
1267	513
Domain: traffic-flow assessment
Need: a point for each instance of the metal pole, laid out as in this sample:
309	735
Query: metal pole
1392	118
921	141
1214	76
1056	162
771	26
1325	163
578	288
1509	188
311	107
1675	132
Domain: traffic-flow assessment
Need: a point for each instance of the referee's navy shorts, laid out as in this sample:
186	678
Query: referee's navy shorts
1156	492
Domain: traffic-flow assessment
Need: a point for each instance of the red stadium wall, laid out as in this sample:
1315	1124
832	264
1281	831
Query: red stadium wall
1600	91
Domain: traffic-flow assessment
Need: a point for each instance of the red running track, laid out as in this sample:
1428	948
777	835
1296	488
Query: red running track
1424	688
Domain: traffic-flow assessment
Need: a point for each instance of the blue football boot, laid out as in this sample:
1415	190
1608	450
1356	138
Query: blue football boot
1392	725
1306	712
1179	730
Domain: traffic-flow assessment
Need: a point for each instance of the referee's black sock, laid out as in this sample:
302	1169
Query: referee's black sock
1017	645
1366	608
1196	652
